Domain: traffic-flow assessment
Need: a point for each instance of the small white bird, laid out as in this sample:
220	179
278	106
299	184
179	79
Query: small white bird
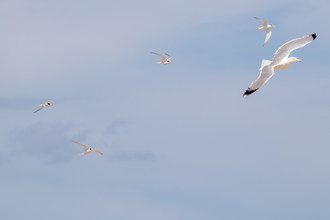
265	27
44	105
165	60
281	61
86	149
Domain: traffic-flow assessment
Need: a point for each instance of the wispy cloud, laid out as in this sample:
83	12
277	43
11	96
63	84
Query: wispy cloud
47	140
114	126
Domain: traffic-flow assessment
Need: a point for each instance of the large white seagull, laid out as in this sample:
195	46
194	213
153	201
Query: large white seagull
281	61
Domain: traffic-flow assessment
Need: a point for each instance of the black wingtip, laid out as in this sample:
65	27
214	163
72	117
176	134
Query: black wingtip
249	92
314	36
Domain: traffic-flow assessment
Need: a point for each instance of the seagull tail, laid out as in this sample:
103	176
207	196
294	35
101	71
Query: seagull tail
264	63
260	28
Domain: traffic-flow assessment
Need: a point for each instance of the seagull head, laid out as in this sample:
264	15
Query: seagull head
293	60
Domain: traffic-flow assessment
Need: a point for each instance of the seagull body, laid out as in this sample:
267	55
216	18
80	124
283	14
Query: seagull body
165	60
44	105
280	61
87	150
265	27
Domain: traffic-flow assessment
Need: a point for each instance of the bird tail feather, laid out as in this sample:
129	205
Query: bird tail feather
264	63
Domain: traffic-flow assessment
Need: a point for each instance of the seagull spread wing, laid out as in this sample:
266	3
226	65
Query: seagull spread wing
265	74
285	50
168	56
269	33
42	105
84	146
163	57
263	21
97	151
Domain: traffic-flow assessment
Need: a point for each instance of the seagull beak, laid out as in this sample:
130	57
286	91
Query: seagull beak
273	25
299	60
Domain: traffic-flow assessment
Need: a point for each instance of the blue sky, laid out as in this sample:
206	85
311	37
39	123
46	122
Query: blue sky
179	141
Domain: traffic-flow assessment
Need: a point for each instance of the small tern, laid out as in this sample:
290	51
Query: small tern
165	60
44	105
87	150
265	27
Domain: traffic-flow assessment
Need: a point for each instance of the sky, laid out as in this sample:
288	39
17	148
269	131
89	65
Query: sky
178	141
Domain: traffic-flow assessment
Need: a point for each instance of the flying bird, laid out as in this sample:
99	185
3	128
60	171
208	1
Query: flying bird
265	27
165	60
87	150
44	105
281	61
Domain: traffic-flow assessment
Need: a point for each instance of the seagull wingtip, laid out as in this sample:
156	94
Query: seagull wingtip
314	36
249	92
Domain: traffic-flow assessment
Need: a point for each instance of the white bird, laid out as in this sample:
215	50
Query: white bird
281	61
165	60
87	150
265	27
44	105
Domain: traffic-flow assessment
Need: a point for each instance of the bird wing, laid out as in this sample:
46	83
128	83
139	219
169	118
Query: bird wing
285	50
97	151
269	33
84	146
163	57
263	21
42	105
168	56
265	74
